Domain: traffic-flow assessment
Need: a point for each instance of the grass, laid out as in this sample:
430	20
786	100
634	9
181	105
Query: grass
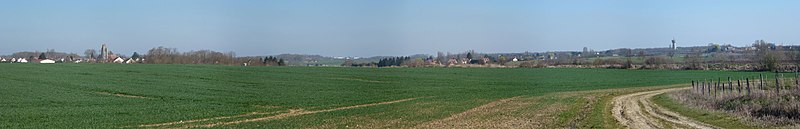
759	108
98	95
720	119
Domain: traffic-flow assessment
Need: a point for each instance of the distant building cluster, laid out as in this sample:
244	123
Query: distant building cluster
52	57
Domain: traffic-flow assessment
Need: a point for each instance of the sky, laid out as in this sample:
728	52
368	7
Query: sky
389	27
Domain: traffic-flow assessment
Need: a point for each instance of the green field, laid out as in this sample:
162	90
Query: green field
116	95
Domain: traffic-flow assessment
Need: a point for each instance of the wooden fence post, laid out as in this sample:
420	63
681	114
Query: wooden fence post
713	88
739	86
777	85
710	84
747	80
716	87
721	86
761	81
703	88
730	84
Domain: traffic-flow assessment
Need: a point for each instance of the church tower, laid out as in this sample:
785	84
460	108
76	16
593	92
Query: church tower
103	53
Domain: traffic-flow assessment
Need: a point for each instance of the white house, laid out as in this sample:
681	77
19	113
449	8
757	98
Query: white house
13	59
515	59
119	60
47	61
22	60
3	60
128	61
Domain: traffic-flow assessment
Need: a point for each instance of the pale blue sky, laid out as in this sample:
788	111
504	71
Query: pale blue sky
389	27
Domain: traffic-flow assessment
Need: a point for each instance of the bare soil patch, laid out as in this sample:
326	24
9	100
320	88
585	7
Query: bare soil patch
357	79
637	111
123	95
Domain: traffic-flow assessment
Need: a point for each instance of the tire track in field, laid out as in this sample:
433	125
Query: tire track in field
205	119
637	111
488	106
291	113
123	95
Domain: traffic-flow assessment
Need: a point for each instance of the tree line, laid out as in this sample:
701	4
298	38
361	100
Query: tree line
396	61
163	55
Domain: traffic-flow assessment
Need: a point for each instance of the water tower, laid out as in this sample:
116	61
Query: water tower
673	44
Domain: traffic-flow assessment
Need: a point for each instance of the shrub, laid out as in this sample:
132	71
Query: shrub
657	60
761	106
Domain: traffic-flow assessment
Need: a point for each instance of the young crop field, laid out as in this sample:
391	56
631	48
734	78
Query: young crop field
167	96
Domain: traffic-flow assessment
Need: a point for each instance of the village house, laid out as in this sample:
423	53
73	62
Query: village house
113	58
47	61
35	60
464	60
485	60
133	60
452	61
128	61
431	61
118	60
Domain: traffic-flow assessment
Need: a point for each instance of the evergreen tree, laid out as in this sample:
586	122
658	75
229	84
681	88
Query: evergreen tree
273	61
395	61
382	63
469	55
42	56
399	61
135	56
263	60
403	59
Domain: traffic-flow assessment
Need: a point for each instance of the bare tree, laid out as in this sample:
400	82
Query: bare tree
441	58
628	54
656	60
766	55
694	61
89	53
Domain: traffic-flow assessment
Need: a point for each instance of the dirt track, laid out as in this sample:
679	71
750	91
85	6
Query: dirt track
638	112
